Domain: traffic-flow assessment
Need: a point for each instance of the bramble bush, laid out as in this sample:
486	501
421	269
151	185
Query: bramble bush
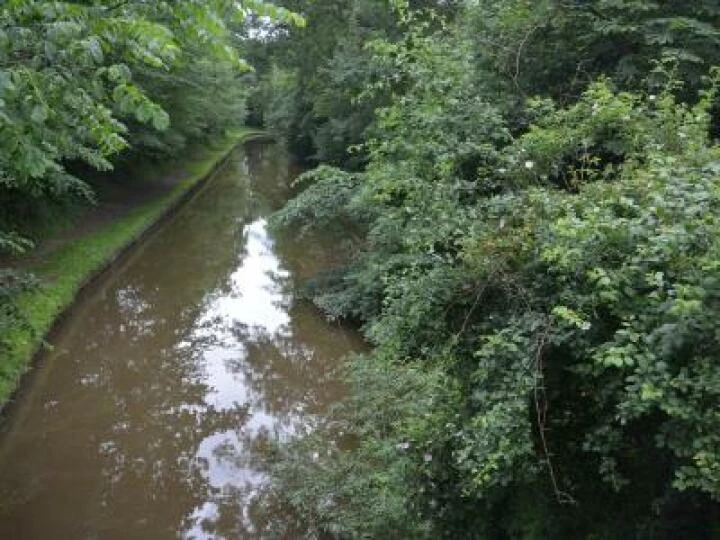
539	279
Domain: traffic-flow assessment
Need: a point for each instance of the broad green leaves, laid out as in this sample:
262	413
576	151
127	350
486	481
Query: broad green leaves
74	75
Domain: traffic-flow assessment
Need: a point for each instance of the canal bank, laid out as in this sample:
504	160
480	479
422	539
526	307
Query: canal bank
80	256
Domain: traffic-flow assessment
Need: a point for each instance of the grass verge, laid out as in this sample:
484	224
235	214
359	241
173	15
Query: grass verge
65	271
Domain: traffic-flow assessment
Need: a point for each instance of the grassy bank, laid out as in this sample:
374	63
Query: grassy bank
65	270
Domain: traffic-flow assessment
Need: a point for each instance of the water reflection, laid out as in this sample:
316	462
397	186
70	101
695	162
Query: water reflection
152	416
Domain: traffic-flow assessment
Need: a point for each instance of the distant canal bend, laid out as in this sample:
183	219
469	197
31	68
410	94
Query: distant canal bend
150	416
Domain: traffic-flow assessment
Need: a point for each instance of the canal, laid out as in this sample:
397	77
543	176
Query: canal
175	374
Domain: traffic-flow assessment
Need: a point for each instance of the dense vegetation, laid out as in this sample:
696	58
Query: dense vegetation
529	192
529	196
88	84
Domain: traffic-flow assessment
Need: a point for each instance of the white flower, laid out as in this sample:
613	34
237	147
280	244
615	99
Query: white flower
529	164
427	457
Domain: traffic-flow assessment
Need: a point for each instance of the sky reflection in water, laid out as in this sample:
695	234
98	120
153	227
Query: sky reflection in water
258	303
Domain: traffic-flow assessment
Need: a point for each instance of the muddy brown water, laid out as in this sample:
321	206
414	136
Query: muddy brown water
173	375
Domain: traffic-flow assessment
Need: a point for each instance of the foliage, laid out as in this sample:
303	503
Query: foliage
313	89
618	38
324	203
538	276
12	284
81	81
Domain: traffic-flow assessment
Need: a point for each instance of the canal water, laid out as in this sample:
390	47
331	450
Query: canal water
174	375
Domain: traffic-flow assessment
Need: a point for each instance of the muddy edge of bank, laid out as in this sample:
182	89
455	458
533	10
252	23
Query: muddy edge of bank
27	354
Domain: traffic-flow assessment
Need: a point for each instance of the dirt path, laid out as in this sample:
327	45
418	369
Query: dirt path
117	194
